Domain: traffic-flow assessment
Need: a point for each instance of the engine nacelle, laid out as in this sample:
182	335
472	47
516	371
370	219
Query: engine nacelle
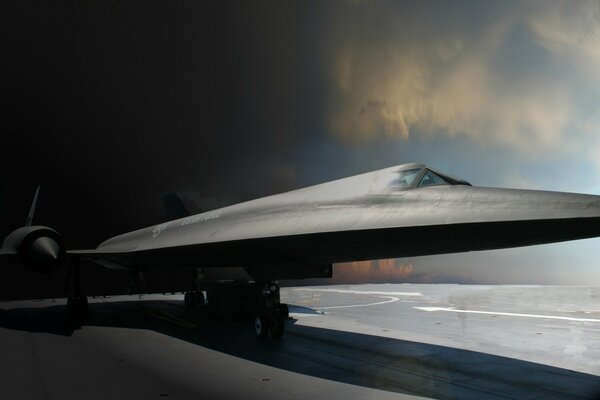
37	248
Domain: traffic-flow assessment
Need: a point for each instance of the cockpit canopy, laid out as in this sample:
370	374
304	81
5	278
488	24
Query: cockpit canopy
411	176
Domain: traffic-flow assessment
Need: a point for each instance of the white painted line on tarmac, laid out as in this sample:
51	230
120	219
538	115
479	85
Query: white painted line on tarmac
390	296
304	315
391	300
433	309
360	292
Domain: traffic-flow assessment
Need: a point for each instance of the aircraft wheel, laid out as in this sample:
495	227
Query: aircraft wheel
277	326
261	328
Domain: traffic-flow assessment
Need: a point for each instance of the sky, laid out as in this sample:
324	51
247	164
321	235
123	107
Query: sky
108	105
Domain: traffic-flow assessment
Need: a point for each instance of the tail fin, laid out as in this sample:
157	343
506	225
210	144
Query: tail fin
173	206
29	220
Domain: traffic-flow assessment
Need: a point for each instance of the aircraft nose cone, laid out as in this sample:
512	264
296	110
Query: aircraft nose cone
44	250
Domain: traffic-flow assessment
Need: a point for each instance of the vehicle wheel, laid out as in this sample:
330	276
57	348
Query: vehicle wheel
277	326
260	326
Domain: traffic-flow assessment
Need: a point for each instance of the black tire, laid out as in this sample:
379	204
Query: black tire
277	326
261	326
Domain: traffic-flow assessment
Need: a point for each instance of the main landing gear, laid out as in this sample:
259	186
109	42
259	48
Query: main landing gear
250	301
271	314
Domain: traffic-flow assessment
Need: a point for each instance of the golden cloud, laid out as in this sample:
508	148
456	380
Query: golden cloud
455	82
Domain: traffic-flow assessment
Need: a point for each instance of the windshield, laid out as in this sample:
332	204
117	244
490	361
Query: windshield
431	179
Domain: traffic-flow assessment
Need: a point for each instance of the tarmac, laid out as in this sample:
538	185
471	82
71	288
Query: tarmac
387	341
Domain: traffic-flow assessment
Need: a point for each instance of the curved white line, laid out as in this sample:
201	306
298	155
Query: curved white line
360	292
391	300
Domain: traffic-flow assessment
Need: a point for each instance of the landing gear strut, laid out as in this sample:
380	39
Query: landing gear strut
77	304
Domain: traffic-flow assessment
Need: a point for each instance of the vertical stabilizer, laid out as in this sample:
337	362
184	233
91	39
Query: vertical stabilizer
32	209
174	207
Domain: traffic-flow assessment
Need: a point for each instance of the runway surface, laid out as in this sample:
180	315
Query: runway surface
356	341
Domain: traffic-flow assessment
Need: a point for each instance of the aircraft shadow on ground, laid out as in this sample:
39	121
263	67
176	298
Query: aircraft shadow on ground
348	357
